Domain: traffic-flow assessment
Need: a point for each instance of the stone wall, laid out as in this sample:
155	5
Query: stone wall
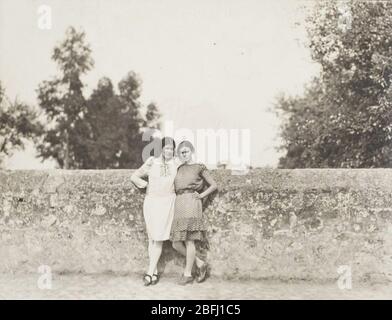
286	224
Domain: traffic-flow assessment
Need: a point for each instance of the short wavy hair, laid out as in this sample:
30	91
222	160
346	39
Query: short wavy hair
183	144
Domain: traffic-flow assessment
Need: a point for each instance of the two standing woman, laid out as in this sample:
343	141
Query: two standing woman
172	207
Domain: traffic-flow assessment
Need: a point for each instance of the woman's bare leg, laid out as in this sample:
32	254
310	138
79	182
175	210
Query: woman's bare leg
180	248
190	257
150	249
154	251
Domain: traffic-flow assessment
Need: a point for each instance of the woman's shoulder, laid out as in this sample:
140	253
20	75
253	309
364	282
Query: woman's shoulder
177	162
150	161
201	166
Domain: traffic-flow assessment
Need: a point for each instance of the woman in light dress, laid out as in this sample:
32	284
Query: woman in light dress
158	207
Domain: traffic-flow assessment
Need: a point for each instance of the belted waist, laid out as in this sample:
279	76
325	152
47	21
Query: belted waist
185	191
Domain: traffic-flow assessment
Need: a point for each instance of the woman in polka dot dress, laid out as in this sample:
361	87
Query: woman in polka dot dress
188	222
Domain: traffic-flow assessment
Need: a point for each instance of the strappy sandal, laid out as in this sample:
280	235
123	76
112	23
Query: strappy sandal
156	275
147	279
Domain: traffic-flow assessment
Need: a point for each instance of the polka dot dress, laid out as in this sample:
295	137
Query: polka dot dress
188	221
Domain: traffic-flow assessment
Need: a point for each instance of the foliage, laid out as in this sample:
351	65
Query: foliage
113	138
344	117
100	132
63	102
18	122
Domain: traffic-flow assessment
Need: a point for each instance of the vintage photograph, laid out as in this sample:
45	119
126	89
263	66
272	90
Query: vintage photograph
195	150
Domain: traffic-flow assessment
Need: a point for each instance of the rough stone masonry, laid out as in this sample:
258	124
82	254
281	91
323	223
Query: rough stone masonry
275	224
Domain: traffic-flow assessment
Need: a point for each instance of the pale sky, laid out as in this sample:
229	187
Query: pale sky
207	64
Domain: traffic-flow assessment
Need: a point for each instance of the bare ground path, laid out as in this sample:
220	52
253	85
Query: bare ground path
79	286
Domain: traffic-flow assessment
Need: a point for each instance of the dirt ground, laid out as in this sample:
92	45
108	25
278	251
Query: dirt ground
79	286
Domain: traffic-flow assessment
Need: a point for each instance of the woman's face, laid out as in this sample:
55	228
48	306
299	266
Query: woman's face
185	154
168	152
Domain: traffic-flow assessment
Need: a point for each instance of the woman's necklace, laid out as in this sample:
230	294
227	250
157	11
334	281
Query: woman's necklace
165	169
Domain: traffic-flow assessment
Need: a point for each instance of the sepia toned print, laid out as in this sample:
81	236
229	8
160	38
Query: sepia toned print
201	150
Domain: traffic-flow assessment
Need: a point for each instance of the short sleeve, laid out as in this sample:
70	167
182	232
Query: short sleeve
142	172
207	177
204	172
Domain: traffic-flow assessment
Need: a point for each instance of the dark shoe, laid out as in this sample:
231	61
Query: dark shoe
155	278
202	273
185	280
147	279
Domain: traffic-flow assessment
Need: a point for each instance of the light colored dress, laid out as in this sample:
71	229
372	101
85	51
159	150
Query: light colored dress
158	207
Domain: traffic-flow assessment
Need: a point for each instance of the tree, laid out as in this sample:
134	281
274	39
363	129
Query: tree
132	121
100	137
17	122
63	102
101	132
115	123
344	117
153	117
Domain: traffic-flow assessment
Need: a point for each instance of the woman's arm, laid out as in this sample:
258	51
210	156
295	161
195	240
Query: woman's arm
138	181
210	181
142	172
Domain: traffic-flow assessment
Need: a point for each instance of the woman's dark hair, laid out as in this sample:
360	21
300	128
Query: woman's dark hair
168	140
185	143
